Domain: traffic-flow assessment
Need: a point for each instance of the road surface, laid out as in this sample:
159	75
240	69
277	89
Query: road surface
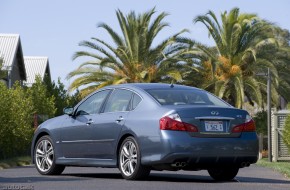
77	178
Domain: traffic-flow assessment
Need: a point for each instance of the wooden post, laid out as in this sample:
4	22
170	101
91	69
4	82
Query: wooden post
35	120
275	137
261	136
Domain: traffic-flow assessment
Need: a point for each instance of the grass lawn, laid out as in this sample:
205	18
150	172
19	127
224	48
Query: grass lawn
12	162
282	167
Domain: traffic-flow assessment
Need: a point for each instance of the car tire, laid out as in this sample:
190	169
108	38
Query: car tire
44	157
223	174
129	161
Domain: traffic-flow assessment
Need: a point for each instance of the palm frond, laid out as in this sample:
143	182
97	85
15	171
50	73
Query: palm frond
117	39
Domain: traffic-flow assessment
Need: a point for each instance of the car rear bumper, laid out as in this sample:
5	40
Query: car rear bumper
179	147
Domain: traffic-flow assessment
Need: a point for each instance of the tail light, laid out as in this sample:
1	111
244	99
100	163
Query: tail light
248	126
173	122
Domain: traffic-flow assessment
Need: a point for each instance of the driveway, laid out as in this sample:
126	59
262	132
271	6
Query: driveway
76	178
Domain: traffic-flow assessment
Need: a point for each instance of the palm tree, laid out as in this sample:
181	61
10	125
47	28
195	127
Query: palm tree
281	59
240	47
132	58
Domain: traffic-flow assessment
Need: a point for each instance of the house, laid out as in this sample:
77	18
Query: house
12	56
20	68
36	66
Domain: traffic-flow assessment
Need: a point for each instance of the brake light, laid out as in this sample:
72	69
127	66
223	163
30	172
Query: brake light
245	127
173	122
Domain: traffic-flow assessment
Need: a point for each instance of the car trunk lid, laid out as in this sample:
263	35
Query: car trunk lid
213	121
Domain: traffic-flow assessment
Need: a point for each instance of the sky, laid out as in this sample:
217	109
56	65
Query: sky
54	28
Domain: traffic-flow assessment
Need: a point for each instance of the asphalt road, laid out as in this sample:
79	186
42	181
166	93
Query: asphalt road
27	178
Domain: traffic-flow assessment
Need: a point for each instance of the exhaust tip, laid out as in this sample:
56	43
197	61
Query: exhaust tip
176	164
179	164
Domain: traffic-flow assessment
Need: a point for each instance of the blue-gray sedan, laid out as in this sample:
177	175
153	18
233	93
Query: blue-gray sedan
144	127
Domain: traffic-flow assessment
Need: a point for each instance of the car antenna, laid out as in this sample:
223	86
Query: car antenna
171	86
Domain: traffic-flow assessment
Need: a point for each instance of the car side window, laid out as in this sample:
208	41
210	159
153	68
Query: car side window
118	101
136	100
93	104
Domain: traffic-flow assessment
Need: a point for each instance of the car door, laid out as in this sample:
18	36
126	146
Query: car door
77	134
110	121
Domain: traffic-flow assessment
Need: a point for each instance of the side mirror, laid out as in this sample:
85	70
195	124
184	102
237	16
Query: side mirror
68	111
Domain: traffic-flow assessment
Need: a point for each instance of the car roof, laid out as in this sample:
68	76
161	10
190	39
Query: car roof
146	86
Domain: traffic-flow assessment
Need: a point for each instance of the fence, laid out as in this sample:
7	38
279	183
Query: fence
280	151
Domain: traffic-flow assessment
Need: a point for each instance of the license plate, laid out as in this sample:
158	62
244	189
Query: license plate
214	126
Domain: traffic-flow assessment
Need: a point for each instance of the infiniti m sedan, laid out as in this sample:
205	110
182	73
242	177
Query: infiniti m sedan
142	127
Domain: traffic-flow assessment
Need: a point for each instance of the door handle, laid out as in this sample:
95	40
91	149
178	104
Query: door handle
89	122
119	119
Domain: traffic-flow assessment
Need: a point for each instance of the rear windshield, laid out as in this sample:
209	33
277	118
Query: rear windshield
185	97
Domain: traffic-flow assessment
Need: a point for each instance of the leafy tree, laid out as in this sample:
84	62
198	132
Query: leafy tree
75	98
15	121
282	36
3	74
18	106
62	97
229	69
261	122
42	103
132	57
281	59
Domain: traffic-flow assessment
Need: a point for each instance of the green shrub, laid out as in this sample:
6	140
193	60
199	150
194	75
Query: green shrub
42	103
15	121
62	97
286	132
261	122
3	74
18	105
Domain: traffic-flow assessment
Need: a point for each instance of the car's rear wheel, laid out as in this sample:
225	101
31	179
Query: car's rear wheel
44	156
130	160
223	174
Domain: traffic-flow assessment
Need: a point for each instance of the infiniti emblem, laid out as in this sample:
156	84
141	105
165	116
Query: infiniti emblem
214	113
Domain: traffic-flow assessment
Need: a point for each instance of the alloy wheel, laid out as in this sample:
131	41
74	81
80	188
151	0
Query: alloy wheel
44	155
128	158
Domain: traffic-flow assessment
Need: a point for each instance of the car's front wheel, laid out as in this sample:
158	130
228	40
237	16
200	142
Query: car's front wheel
130	160
223	174
44	157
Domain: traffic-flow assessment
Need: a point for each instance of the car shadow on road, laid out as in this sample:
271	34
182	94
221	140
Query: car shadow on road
262	180
207	179
96	175
33	179
182	178
152	177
